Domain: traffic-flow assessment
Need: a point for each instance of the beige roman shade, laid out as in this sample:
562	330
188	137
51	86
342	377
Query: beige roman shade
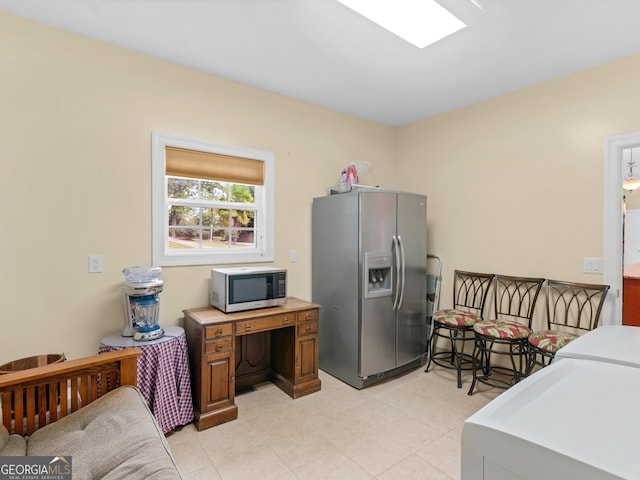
181	162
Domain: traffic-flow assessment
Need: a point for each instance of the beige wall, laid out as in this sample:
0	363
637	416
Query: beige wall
632	200
76	125
516	182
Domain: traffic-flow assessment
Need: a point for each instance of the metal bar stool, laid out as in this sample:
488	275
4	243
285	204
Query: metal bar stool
572	309
507	334
470	292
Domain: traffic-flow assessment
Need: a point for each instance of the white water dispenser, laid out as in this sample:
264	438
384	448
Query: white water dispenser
141	303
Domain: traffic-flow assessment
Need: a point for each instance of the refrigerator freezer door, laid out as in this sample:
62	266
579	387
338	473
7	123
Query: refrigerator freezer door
411	315
377	324
335	283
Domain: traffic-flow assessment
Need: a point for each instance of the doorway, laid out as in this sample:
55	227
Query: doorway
613	223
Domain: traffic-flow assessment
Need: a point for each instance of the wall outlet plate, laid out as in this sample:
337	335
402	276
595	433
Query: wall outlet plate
95	263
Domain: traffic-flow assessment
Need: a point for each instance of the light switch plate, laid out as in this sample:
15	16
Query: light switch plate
592	265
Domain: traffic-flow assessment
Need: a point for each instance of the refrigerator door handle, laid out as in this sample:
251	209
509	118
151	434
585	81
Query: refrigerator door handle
396	252
401	248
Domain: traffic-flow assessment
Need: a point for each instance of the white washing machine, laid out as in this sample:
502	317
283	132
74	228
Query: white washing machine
609	343
576	419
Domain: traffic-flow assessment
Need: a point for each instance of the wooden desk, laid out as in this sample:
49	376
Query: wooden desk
237	350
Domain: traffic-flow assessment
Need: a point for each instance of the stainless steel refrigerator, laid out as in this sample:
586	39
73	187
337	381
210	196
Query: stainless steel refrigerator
369	253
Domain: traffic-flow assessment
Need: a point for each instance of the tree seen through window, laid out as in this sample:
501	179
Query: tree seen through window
210	215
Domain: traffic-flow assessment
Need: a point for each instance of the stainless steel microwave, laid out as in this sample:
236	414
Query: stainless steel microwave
246	288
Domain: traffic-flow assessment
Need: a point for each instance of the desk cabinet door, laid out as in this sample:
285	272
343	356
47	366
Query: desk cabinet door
306	358
219	383
306	367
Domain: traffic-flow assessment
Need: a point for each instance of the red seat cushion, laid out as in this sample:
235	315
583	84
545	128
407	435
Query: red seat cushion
455	318
551	340
502	329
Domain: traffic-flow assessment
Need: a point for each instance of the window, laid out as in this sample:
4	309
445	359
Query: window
212	203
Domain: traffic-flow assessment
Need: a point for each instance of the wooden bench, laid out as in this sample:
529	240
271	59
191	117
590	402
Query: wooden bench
35	397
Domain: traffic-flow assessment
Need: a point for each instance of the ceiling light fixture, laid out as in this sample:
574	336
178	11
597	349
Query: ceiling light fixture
630	181
420	22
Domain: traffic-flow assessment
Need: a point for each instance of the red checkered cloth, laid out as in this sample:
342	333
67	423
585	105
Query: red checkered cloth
163	375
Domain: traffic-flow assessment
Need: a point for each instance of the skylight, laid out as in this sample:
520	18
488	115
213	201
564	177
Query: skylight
420	22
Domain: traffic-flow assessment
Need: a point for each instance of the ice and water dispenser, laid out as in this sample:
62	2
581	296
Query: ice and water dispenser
378	274
141	303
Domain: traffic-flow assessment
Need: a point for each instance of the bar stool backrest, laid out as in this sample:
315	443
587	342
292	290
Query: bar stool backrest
574	306
516	298
470	291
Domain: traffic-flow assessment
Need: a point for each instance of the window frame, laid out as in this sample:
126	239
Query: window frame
265	246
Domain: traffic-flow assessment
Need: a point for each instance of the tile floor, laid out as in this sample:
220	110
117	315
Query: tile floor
408	427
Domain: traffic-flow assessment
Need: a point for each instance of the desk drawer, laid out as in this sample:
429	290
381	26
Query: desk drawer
218	345
307	328
217	331
308	316
269	323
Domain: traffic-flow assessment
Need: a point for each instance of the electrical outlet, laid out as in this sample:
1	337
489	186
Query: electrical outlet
293	256
95	263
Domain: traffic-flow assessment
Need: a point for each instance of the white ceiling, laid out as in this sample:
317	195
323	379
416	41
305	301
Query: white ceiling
322	52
